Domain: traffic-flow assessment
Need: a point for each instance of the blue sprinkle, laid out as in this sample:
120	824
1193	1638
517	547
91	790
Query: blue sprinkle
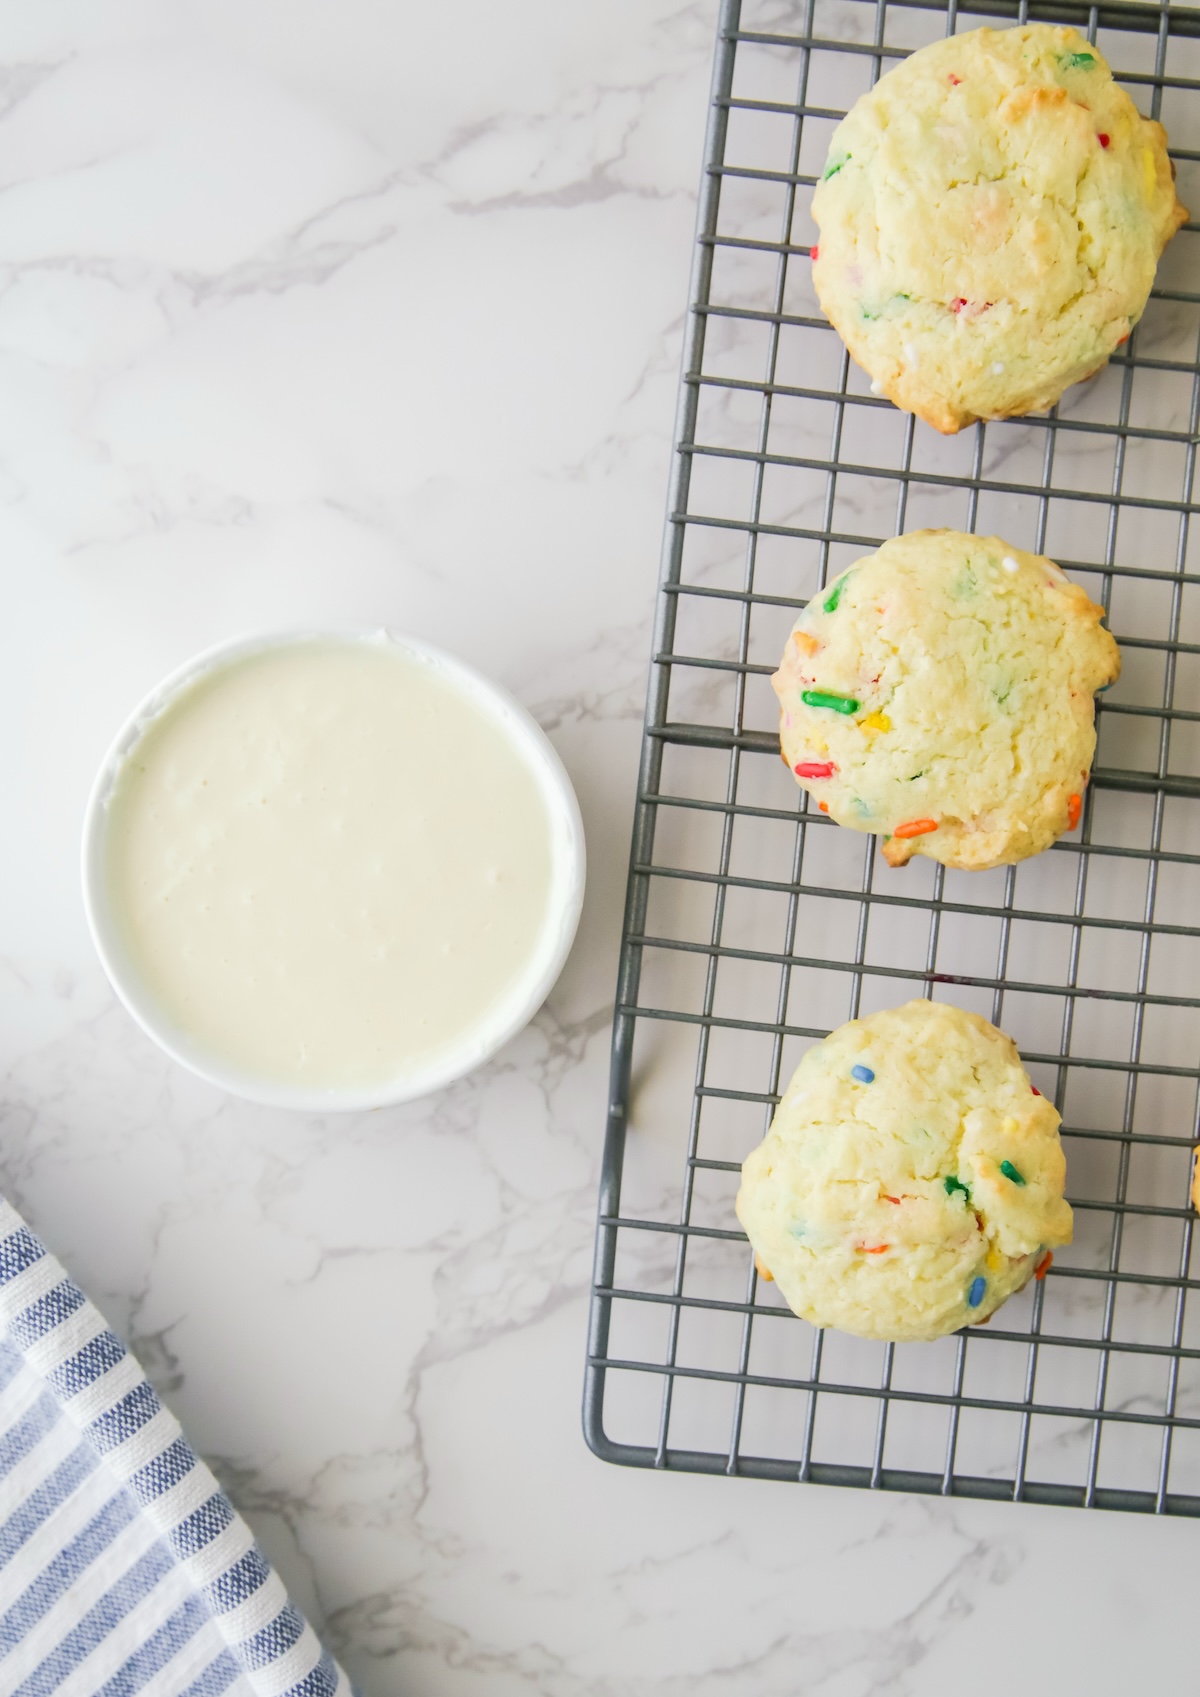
864	1075
975	1294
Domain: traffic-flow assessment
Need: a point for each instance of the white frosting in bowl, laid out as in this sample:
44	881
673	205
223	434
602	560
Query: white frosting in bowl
332	871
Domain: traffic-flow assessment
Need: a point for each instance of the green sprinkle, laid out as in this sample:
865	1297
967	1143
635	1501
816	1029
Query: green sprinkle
837	703
868	317
1010	1172
832	169
917	775
953	1184
1079	61
834	596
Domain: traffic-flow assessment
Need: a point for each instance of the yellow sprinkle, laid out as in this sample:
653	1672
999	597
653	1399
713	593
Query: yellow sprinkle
875	724
994	1261
805	643
1149	174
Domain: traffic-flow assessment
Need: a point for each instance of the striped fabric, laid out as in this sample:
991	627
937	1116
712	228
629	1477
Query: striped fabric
123	1568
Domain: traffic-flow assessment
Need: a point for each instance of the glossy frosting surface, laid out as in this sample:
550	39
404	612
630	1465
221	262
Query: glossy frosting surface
327	865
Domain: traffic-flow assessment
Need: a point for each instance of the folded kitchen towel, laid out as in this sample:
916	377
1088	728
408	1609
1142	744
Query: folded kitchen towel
123	1567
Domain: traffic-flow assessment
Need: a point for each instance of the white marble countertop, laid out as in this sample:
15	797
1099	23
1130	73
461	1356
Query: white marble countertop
369	312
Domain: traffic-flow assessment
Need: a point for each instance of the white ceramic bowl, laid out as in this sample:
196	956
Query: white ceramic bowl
510	1015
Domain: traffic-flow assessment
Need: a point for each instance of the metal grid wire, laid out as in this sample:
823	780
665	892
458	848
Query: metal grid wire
753	925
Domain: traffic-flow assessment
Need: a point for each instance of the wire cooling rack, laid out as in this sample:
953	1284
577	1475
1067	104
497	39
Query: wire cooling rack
753	925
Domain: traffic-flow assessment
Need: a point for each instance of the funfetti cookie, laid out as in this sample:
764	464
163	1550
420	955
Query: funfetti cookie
912	1178
940	693
991	215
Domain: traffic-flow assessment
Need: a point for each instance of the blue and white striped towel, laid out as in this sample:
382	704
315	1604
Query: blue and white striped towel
123	1567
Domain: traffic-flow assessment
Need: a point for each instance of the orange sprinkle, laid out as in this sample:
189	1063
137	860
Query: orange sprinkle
894	1199
915	828
1074	809
1043	1266
804	642
873	1248
824	806
763	1272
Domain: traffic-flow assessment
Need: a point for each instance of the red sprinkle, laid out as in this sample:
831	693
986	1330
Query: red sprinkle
957	305
1074	809
814	252
1043	1266
1035	1089
915	828
893	1199
815	769
955	80
1103	139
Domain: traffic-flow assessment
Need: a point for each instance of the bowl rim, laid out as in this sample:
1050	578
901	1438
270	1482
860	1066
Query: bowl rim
568	848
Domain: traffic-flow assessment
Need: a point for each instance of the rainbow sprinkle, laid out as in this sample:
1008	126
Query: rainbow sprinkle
1079	61
1011	1173
834	596
836	703
915	828
975	1294
864	1075
952	1184
815	769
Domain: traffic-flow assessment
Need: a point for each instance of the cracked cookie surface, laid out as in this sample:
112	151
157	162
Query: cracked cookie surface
991	214
912	1179
940	693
